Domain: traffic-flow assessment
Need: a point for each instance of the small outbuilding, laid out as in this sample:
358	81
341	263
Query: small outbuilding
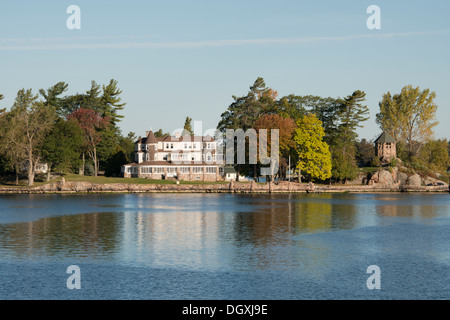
385	147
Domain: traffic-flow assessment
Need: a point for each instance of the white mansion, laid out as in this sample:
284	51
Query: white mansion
181	157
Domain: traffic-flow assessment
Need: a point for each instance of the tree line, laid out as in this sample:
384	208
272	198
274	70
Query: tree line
79	133
75	133
319	134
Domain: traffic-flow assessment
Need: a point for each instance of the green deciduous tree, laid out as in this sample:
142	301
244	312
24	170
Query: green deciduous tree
28	122
434	155
63	146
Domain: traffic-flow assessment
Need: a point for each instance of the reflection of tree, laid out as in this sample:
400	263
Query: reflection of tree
276	217
316	215
397	210
84	235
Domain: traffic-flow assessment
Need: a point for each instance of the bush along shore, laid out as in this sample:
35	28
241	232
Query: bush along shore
232	187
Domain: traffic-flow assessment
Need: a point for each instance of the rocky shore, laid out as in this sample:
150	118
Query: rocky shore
232	187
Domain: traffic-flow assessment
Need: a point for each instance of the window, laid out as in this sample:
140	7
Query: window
185	146
220	170
146	170
184	169
159	170
171	146
167	146
211	170
197	169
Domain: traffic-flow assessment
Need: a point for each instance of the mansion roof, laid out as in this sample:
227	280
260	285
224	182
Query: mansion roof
151	139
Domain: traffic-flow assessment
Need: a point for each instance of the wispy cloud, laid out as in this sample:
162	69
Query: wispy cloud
51	44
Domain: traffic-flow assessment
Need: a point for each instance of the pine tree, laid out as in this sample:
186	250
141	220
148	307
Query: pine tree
352	113
187	129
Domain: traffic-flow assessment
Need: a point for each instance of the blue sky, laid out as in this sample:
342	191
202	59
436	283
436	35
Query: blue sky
174	59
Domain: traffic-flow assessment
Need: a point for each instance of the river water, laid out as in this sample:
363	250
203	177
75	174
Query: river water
225	246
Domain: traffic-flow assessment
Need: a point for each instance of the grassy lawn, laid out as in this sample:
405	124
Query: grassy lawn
10	182
74	178
104	180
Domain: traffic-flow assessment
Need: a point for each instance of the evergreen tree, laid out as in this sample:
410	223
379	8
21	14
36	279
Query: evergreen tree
110	102
352	113
243	113
2	110
187	129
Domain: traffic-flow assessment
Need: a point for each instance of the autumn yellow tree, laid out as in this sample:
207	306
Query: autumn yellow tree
314	157
409	117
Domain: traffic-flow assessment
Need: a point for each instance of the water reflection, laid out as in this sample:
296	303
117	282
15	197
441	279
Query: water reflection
198	231
85	235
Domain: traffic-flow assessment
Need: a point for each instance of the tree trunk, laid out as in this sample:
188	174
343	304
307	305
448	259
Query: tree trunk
31	175
95	163
49	171
31	171
17	175
83	165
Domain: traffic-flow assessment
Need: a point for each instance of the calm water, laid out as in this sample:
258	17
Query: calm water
223	246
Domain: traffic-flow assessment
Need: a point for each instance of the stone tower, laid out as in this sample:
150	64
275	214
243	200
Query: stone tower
385	147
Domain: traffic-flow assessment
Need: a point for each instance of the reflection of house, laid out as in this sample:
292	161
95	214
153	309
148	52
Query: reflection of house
182	157
385	147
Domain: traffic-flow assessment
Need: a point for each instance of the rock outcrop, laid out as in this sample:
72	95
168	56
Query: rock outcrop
414	181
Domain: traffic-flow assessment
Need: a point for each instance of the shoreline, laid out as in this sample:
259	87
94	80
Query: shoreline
232	187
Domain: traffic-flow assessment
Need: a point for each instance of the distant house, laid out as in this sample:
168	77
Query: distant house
231	174
40	167
187	158
385	147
